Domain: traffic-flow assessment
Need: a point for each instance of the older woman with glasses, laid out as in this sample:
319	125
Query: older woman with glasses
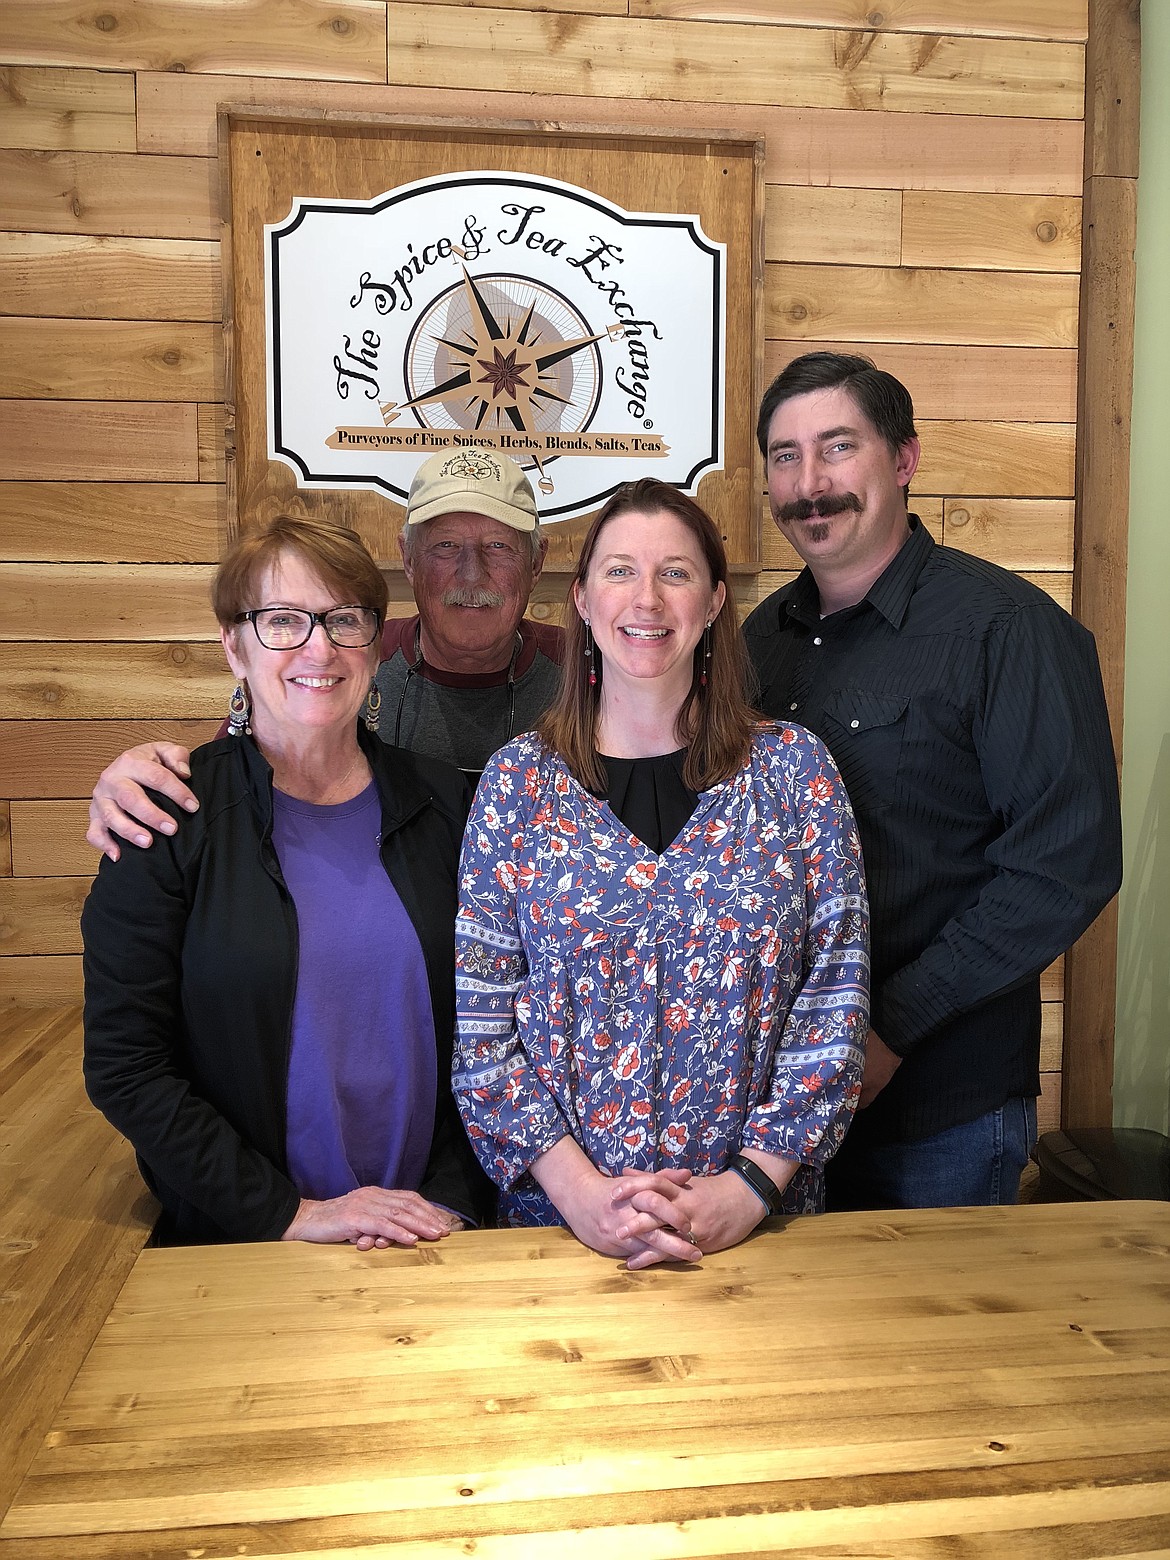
269	991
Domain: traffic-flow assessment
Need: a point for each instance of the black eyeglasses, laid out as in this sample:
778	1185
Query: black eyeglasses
288	628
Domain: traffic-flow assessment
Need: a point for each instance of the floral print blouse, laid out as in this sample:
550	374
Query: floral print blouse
665	1010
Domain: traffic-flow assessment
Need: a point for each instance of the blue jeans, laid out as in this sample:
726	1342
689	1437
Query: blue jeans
976	1164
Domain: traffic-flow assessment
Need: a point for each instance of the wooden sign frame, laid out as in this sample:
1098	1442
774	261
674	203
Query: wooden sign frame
268	157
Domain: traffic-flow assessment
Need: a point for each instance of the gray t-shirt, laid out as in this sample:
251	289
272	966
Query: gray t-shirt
459	718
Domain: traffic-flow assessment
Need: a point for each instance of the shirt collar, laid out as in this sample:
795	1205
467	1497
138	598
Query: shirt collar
889	594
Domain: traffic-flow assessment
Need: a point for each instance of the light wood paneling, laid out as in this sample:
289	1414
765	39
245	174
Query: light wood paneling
87	277
1007	460
1024	533
48	840
127	522
811	146
110	360
1048	1105
344	40
1040	19
95	601
587	7
102	681
966	308
65	110
5	839
991	232
40	915
820	223
95	440
212	456
1051	1035
50	758
108	192
979	384
733	62
1052	982
49	978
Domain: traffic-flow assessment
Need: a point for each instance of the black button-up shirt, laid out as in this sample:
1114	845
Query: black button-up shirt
965	711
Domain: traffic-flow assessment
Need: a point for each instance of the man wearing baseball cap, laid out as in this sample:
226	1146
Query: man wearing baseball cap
470	671
458	680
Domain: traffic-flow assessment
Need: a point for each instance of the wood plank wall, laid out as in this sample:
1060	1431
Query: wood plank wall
924	171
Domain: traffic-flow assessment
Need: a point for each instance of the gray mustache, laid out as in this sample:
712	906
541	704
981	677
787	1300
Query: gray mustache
472	598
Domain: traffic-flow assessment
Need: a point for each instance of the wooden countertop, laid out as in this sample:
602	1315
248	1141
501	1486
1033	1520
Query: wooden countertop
976	1382
74	1215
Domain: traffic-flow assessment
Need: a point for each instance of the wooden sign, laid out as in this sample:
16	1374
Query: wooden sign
583	300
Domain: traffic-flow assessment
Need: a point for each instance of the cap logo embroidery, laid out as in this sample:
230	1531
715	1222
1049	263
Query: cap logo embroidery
473	464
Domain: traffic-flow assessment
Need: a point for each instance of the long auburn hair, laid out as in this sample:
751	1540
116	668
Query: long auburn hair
715	722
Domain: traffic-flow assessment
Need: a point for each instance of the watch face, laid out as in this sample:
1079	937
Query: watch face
502	352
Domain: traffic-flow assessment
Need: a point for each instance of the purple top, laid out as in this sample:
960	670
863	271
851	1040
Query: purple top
361	1076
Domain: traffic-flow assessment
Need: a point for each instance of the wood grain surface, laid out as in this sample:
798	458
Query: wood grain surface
967	383
66	110
128	522
345	39
813	146
736	62
73	1216
989	1382
996	18
101	278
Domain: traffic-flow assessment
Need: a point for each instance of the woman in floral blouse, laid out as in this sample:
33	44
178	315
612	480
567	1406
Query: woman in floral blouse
662	933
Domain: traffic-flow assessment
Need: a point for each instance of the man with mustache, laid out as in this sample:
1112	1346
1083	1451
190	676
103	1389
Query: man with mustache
470	671
457	681
966	713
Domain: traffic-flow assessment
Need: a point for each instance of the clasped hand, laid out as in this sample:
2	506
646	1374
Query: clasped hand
371	1216
637	1216
714	1211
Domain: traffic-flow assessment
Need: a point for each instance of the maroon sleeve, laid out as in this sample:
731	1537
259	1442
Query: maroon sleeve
398	634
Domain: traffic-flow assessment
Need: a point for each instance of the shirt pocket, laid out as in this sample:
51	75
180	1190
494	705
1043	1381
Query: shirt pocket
864	732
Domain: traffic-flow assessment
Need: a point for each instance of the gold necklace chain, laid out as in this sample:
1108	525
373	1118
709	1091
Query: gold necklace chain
339	785
334	786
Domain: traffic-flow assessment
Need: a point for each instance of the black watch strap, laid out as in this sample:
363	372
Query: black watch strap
759	1180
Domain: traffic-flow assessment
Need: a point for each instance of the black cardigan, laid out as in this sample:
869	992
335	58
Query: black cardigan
190	976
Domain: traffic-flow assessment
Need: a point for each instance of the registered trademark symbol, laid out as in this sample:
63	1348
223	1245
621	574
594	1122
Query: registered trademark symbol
649	423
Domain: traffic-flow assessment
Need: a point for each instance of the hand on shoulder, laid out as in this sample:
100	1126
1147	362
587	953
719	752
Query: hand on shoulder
120	807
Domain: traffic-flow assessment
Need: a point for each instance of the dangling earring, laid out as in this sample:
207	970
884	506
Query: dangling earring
373	710
590	661
706	655
239	713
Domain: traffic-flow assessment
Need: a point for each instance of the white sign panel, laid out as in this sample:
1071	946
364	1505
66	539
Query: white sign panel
501	309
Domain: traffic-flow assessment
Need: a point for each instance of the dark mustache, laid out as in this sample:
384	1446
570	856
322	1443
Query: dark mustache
819	508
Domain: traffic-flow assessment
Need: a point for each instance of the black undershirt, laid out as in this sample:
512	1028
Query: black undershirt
649	796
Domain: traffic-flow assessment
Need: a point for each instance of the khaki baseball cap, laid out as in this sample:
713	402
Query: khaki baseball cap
475	480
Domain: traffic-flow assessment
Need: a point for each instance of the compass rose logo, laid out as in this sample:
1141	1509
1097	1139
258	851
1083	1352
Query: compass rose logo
503	352
503	310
